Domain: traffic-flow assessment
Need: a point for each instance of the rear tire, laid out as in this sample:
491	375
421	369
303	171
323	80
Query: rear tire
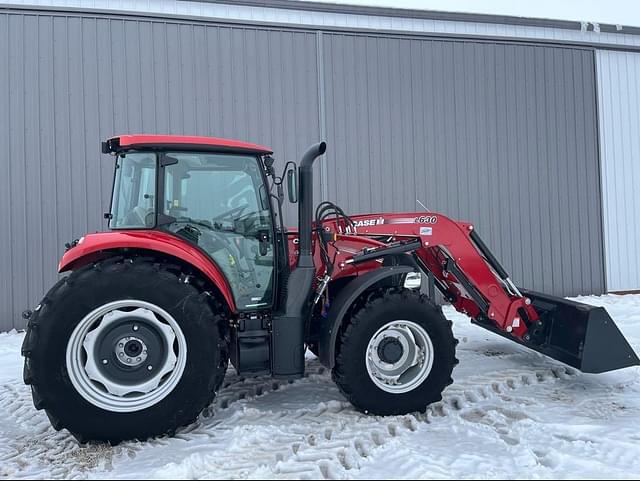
173	303
374	330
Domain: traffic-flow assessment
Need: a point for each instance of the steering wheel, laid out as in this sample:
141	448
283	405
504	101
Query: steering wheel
231	212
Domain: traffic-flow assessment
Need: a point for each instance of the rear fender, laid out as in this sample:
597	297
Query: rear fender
341	304
96	246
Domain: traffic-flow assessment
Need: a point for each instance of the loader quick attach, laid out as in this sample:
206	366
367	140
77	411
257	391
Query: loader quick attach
198	271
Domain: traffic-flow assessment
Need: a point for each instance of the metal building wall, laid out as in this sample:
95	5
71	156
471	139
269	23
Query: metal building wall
619	108
68	81
501	135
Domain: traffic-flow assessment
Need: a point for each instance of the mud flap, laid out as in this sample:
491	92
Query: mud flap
580	335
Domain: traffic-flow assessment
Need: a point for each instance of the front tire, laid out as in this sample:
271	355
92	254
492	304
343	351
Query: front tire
127	348
395	354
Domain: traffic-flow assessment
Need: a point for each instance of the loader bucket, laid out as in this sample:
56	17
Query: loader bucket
579	335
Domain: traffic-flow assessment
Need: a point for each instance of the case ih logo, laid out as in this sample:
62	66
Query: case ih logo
369	222
352	229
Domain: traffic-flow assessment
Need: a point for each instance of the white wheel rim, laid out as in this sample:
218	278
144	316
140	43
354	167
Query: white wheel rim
102	362
411	368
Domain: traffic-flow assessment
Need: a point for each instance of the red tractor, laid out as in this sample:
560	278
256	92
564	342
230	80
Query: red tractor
198	271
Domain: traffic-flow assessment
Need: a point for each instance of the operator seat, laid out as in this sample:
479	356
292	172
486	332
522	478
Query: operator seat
139	217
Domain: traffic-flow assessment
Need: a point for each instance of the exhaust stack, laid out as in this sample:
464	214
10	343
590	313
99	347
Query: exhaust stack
288	330
305	205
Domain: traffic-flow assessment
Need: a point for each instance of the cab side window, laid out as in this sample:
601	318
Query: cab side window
133	203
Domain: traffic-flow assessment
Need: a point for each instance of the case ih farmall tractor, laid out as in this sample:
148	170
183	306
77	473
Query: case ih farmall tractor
198	271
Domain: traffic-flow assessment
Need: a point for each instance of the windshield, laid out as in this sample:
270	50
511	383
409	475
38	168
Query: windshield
133	201
220	203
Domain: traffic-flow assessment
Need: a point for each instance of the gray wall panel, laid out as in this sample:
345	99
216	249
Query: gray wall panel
502	135
16	156
6	281
498	134
73	81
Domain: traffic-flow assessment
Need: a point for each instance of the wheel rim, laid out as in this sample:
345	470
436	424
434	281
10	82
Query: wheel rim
126	356
399	356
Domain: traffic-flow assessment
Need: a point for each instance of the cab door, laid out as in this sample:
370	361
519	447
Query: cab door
220	203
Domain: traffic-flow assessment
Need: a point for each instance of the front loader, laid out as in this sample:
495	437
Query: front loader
198	271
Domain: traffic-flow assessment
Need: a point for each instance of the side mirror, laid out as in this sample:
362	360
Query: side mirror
292	184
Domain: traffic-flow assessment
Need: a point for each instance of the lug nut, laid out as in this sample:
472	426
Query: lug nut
150	368
135	328
104	361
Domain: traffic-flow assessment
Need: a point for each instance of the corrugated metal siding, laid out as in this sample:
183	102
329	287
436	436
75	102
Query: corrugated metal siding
499	134
502	135
69	82
619	103
328	20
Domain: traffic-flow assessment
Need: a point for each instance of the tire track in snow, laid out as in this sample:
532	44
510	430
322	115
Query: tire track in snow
327	440
331	440
30	441
240	389
57	454
224	428
349	451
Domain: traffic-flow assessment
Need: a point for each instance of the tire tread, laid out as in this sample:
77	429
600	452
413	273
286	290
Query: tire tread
159	268
360	314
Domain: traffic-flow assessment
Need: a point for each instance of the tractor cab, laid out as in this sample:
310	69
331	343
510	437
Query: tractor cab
211	197
211	192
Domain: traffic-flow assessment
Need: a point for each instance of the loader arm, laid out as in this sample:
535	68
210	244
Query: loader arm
473	281
464	275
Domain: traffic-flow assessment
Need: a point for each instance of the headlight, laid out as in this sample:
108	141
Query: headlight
413	280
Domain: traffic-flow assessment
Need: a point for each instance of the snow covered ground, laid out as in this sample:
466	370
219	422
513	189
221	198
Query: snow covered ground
510	413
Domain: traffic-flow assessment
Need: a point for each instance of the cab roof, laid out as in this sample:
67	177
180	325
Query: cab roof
164	142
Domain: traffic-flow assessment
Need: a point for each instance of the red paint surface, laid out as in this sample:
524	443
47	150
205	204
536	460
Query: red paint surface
129	141
93	245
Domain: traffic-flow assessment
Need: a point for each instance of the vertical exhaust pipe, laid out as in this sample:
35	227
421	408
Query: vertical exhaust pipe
305	202
288	329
